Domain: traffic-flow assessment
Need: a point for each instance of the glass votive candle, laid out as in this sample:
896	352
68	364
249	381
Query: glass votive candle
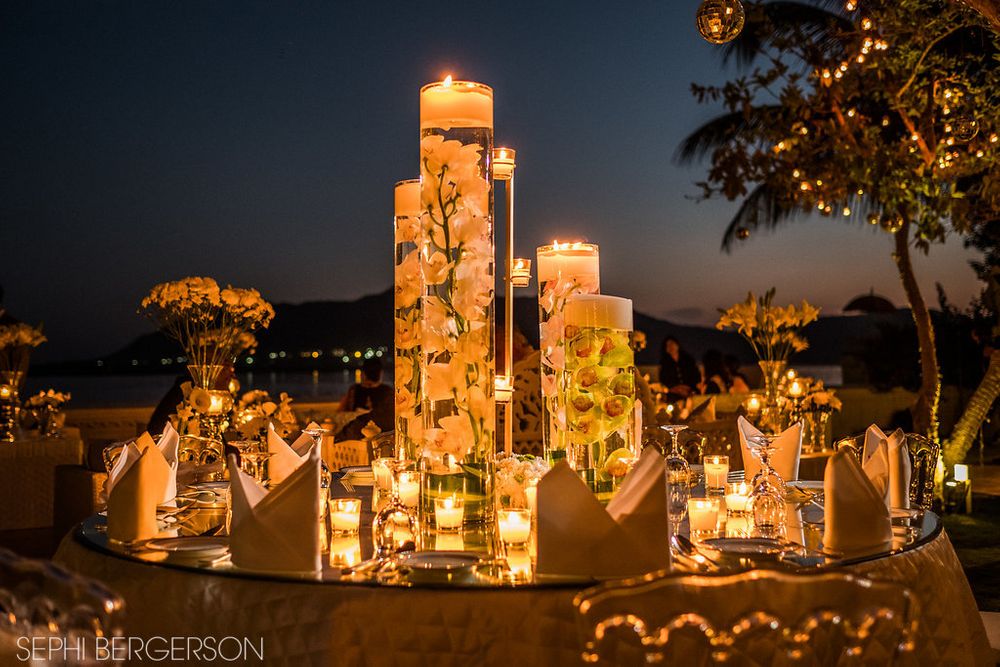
703	516
409	488
382	474
345	551
738	497
716	472
345	515
515	526
448	513
531	495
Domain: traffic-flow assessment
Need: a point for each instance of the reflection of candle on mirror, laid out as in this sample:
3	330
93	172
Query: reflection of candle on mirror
345	551
738	497
795	390
738	526
383	477
716	472
515	525
409	488
448	513
448	103
449	542
345	515
791	374
503	386
519	562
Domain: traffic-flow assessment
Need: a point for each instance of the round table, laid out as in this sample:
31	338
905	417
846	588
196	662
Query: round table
329	621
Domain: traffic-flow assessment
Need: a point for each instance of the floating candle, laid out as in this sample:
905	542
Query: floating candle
569	261
598	311
449	103
407	198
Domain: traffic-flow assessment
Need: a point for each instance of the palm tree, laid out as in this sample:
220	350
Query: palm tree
865	121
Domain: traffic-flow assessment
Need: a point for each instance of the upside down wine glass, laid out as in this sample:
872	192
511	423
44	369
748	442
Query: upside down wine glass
767	495
678	477
394	516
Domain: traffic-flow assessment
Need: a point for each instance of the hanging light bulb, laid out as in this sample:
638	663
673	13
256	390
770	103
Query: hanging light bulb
742	233
720	21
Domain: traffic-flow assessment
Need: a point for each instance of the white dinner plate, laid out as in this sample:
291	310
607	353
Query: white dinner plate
745	546
191	546
439	566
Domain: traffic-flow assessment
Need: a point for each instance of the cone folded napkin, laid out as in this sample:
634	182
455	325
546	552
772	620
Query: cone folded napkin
785	457
886	461
277	530
857	520
285	458
142	481
577	536
167	447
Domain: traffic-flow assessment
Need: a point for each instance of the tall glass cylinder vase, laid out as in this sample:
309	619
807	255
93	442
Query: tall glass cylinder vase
772	416
10	383
564	270
409	285
598	387
213	407
457	260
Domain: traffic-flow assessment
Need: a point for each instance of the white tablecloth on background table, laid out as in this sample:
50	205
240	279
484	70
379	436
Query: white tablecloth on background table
330	624
27	474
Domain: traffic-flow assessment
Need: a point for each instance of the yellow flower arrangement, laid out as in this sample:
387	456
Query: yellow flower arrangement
774	332
16	343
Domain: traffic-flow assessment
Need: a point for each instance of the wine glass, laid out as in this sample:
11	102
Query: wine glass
317	433
394	514
256	455
767	497
678	494
677	465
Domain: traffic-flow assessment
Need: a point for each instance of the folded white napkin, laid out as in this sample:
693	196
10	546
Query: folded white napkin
132	501
167	447
277	530
577	536
286	458
886	461
855	516
785	457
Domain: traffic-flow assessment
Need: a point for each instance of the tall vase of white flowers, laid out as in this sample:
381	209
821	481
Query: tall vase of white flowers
16	343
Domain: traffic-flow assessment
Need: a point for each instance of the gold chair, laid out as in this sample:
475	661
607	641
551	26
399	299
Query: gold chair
761	617
923	454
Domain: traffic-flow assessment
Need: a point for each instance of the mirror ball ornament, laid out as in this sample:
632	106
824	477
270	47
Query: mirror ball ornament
720	21
964	128
742	233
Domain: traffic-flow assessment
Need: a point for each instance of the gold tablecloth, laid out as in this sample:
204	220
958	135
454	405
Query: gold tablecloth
338	624
27	474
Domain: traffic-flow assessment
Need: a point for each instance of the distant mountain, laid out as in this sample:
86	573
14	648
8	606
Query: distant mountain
320	334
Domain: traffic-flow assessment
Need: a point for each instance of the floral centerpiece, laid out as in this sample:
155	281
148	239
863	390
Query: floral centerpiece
46	409
255	410
774	332
514	474
817	407
16	343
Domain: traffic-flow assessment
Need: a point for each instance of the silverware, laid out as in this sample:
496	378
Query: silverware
810	497
375	565
687	548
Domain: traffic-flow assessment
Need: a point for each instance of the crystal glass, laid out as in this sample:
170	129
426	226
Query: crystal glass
514	526
677	465
448	513
703	517
678	494
345	515
767	496
388	520
256	457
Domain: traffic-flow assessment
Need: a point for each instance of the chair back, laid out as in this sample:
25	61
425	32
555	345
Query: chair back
761	617
39	599
923	453
382	445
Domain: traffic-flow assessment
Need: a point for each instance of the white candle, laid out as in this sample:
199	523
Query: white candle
716	472
599	311
738	497
503	163
383	476
345	515
703	514
409	488
515	525
447	104
407	198
568	261
448	513
531	494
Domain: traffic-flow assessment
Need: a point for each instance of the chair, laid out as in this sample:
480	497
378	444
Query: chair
923	453
700	440
42	600
761	617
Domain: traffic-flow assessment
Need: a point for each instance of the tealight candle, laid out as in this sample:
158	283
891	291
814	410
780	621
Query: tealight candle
515	525
519	562
447	104
573	261
5	392
345	515
753	405
503	163
716	472
448	513
409	488
795	390
520	273
703	515
738	497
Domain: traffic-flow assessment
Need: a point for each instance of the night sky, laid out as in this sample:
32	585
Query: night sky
258	142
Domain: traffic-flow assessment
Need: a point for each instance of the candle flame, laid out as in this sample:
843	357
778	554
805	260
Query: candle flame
447	81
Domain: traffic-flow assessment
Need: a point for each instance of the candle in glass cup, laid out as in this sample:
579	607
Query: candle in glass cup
449	512
449	103
738	497
345	551
383	476
703	515
515	525
716	472
531	495
409	488
345	515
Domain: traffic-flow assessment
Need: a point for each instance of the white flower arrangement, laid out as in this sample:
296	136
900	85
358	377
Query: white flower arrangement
513	474
212	325
50	398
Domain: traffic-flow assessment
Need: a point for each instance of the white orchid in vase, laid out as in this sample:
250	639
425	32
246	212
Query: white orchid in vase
457	333
408	288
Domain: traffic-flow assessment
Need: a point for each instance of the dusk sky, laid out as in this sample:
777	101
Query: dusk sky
258	142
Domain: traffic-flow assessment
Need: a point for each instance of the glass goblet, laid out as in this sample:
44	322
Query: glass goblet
393	515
